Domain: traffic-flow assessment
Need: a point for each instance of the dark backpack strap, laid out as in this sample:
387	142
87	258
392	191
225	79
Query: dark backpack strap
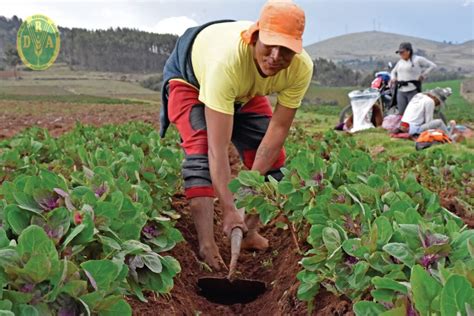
179	65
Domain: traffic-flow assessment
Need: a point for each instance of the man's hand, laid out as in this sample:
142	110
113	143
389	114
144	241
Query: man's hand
421	78
233	219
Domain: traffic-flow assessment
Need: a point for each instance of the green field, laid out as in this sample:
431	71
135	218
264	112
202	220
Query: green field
59	81
457	108
328	94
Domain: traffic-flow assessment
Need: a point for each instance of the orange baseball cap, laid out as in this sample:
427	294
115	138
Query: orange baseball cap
281	23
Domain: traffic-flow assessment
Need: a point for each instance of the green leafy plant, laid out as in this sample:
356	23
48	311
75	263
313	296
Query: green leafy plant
84	219
374	235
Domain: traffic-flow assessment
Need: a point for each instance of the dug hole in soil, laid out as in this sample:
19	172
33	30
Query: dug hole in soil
277	267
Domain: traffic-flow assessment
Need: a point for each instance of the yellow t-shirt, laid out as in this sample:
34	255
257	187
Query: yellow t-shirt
226	72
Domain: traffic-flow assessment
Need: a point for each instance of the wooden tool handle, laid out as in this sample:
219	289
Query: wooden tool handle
235	243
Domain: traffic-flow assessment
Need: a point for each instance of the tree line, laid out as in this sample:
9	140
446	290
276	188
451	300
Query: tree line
114	49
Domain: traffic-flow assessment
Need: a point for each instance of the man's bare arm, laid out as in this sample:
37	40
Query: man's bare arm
274	139
219	131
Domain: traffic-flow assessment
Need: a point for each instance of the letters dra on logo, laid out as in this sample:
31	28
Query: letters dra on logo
27	42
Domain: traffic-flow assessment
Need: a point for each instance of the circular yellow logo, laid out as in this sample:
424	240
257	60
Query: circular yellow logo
38	42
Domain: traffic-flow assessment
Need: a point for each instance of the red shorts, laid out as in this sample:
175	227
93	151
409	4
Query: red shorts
250	125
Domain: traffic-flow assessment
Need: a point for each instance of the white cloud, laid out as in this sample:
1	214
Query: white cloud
174	25
468	2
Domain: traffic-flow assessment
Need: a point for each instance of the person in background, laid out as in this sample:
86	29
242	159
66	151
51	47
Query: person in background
418	116
408	74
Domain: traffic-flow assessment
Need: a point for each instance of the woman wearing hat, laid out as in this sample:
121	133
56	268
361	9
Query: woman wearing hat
418	116
215	85
408	74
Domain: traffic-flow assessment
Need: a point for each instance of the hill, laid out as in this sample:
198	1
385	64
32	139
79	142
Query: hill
365	48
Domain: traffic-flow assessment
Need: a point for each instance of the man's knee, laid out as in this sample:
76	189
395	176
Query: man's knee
197	177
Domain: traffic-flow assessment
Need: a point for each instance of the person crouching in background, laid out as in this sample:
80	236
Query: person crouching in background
418	116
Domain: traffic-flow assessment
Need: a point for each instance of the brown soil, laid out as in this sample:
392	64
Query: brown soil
277	267
58	118
450	201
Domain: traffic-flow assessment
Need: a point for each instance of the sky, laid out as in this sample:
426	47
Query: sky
440	20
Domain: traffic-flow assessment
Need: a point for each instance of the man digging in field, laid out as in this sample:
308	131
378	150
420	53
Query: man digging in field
215	86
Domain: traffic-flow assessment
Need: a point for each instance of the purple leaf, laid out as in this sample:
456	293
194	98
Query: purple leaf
49	203
411	310
388	305
67	311
428	260
318	177
433	239
50	232
27	288
350	260
150	231
100	190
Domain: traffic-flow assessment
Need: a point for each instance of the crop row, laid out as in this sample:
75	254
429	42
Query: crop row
86	219
368	232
